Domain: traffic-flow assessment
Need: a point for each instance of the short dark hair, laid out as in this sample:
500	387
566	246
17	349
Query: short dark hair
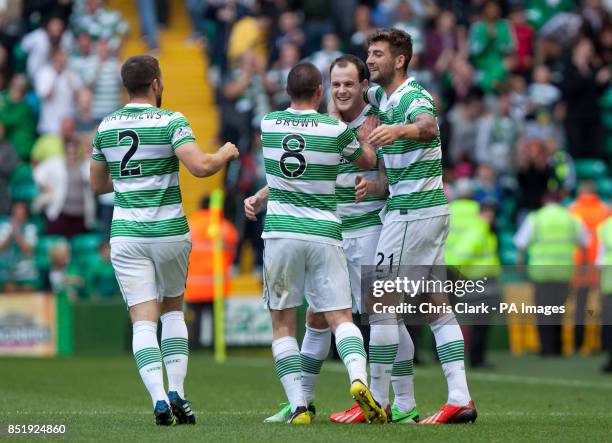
344	60
399	41
138	72
303	81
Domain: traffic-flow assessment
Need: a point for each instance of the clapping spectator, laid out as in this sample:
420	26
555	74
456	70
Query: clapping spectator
17	117
56	85
490	44
534	173
442	42
17	241
583	83
8	163
42	42
65	195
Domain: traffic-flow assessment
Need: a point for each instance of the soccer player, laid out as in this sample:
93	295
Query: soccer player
417	216
136	153
303	235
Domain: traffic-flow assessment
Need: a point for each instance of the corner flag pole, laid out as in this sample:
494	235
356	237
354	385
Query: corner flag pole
215	233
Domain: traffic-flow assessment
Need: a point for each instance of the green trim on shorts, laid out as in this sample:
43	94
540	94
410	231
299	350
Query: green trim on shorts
402	248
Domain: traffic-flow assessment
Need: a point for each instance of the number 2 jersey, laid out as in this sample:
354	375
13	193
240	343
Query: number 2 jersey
302	154
138	143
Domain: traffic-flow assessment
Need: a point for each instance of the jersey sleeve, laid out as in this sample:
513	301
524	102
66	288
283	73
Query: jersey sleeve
372	95
418	103
179	131
96	150
348	145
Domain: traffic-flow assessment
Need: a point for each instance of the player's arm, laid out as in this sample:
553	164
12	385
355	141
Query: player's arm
360	152
100	178
202	164
424	128
364	188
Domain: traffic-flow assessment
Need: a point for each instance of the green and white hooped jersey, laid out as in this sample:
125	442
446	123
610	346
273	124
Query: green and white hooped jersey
358	219
414	168
302	153
138	143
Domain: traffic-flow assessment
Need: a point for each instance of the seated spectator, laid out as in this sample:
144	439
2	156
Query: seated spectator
101	280
486	185
490	44
56	86
107	85
63	274
53	145
17	117
39	44
64	192
17	241
100	22
8	163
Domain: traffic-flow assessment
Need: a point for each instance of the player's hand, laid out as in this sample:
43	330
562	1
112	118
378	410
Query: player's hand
229	151
370	123
361	189
252	206
384	135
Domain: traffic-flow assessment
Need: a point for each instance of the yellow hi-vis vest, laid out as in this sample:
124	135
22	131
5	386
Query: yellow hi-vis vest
458	247
553	244
604	232
486	260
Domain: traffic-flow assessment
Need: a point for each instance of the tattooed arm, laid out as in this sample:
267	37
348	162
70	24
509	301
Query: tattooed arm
424	128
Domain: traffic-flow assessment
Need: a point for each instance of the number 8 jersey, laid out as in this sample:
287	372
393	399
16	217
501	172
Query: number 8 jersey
302	153
138	143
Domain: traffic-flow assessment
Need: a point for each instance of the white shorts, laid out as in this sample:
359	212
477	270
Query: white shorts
150	271
294	268
359	252
417	243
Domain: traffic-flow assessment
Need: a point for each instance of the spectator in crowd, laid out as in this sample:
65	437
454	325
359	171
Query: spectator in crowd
491	43
196	10
290	31
63	274
83	61
363	29
107	86
497	136
8	163
17	241
406	21
85	123
465	120
101	282
53	145
523	35
276	78
42	42
486	187
457	79
533	175
322	59
100	22
442	42
17	117
56	85
65	195
583	83
317	23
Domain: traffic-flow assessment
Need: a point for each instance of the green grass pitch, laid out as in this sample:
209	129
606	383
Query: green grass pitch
102	399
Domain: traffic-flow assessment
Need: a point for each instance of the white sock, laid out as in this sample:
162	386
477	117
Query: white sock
401	375
175	350
449	343
350	347
384	338
148	359
286	355
315	348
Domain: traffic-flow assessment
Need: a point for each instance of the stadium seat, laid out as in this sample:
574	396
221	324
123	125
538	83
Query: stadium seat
506	239
604	187
21	184
85	247
590	169
41	251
